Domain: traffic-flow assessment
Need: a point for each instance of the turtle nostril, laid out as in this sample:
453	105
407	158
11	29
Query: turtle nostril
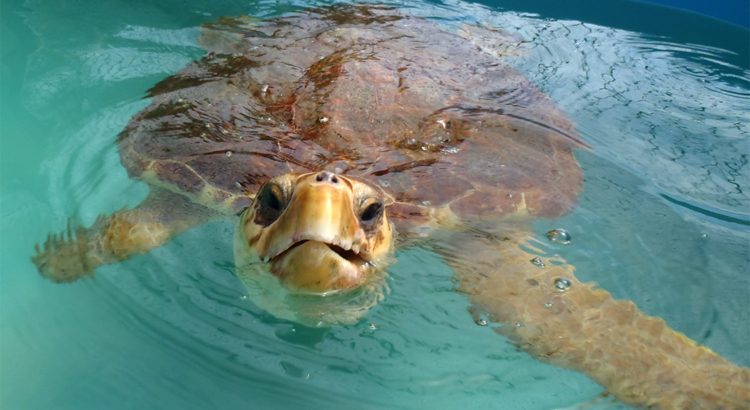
326	176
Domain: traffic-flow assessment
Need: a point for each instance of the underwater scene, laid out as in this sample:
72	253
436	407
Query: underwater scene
659	107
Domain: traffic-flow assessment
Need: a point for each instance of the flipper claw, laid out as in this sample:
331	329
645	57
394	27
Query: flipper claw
64	259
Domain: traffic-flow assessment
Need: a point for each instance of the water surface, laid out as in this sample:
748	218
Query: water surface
663	221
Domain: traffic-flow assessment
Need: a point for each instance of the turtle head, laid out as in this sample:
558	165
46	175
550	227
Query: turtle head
315	234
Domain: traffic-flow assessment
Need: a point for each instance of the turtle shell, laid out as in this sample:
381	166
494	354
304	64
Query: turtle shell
368	91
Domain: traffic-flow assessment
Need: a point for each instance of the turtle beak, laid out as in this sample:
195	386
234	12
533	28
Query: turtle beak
319	211
318	243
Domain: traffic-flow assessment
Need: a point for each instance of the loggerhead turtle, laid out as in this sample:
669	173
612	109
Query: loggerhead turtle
329	130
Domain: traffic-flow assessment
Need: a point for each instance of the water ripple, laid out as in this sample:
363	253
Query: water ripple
675	114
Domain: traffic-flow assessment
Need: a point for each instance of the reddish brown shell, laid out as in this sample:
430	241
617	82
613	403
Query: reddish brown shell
419	111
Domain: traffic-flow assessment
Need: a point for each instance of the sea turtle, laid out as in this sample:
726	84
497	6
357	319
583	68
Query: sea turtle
328	131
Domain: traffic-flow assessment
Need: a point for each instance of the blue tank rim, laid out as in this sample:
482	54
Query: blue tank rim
651	18
736	12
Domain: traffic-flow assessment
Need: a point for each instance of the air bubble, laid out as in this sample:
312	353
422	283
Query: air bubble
538	262
548	305
373	326
520	324
243	296
229	153
562	284
559	236
481	322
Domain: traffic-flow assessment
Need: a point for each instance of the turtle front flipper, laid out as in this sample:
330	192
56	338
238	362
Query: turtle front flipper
547	312
67	259
153	223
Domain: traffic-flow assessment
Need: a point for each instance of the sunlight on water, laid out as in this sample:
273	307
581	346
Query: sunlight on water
662	221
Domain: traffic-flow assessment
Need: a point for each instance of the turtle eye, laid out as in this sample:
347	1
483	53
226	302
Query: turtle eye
372	211
271	204
272	200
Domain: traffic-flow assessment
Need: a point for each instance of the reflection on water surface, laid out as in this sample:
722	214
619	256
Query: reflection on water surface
661	221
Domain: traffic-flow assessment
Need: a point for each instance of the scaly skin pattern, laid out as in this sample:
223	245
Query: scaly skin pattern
637	358
109	240
319	236
117	237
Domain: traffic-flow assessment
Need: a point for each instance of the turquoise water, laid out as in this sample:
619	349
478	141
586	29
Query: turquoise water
663	221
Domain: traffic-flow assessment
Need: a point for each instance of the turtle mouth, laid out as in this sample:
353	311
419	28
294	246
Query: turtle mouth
315	266
349	255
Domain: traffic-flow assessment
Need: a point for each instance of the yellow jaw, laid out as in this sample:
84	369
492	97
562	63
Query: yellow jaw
316	233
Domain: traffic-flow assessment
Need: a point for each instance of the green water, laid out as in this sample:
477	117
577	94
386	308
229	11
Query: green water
663	221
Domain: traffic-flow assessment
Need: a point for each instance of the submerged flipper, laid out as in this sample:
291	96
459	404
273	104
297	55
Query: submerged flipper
554	317
153	223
